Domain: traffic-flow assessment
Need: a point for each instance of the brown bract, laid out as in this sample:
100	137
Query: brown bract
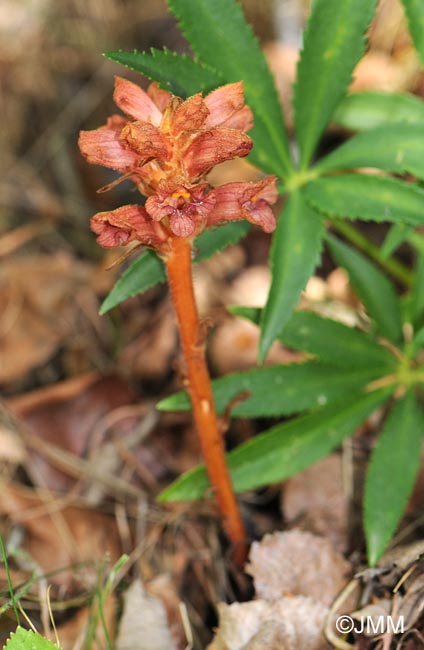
167	146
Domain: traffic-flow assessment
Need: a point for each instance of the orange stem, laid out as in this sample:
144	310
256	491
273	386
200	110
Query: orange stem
178	265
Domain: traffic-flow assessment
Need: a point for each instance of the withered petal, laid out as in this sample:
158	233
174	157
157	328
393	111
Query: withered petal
157	209
265	189
227	108
109	236
202	202
190	115
125	224
227	203
103	146
116	122
261	215
182	224
213	147
159	96
242	119
250	201
146	140
136	103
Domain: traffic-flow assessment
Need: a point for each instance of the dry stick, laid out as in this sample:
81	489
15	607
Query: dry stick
178	265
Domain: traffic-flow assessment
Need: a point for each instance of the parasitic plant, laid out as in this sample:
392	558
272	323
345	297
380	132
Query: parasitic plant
167	146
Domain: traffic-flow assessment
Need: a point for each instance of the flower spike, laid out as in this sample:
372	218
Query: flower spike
166	146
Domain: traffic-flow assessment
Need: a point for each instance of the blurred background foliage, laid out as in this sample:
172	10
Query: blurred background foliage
53	82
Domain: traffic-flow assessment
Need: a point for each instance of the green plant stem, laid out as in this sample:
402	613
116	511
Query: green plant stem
9	579
416	240
396	269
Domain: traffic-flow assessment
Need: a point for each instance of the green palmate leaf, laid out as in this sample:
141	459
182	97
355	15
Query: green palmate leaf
295	252
180	74
281	389
284	450
219	35
361	196
327	339
394	238
148	269
333	44
28	640
393	147
370	109
414	10
391	474
374	289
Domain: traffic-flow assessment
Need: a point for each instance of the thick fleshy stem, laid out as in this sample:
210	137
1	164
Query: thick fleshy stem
179	269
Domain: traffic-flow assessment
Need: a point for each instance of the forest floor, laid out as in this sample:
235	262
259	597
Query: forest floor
83	451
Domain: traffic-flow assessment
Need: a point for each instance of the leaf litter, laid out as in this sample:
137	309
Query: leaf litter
65	500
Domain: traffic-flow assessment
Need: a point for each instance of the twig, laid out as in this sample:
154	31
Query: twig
328	629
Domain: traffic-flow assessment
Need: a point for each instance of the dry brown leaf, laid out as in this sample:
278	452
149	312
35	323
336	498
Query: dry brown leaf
379	71
39	307
374	612
151	353
144	625
164	588
411	604
284	624
68	415
272	635
297	563
403	556
234	344
57	536
11	448
234	347
315	500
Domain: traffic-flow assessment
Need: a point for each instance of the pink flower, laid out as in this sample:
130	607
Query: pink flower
126	224
186	138
166	146
104	146
186	208
227	108
250	201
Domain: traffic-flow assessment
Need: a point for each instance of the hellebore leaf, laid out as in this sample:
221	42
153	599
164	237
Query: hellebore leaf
148	270
296	249
372	286
284	450
391	473
370	198
414	10
369	109
329	340
281	389
333	43
392	147
177	73
222	39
